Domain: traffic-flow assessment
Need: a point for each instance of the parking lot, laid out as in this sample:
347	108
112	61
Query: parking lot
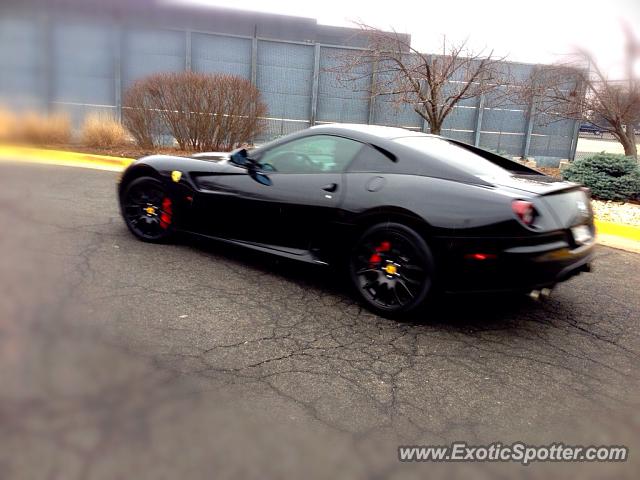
589	144
121	359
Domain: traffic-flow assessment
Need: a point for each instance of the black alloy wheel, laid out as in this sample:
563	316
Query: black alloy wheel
148	209
392	269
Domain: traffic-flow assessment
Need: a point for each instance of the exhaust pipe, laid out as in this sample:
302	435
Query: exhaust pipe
538	295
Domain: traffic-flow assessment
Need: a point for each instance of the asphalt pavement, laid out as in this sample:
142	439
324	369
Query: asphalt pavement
126	360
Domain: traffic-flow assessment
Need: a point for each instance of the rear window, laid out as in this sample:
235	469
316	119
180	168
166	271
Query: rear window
371	160
453	155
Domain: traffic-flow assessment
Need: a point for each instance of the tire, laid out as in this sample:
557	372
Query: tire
392	269
147	210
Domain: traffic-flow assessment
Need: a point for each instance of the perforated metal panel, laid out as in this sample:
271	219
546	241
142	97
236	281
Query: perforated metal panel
74	65
504	120
275	128
220	54
552	125
550	146
519	72
389	112
461	118
21	58
341	101
463	136
83	63
389	109
511	144
285	78
151	51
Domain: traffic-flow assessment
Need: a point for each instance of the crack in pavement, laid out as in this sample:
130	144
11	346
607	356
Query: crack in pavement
149	348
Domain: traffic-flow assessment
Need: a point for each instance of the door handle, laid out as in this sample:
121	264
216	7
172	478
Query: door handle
330	187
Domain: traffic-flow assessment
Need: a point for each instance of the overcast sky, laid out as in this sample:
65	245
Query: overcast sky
540	31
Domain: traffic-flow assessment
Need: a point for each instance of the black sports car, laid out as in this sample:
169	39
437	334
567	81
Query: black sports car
407	213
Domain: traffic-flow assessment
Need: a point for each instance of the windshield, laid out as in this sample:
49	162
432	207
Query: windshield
452	154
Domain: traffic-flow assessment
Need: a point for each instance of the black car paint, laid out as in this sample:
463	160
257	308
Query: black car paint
316	217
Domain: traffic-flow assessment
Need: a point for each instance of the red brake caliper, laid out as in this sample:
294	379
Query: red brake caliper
376	258
165	216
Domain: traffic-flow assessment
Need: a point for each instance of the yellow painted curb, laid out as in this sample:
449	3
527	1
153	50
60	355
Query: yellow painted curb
624	237
615	229
60	157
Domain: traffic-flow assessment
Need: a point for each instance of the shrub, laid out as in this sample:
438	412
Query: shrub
45	130
201	111
102	131
139	115
609	176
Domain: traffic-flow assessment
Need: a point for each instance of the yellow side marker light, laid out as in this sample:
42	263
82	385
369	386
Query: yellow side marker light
176	175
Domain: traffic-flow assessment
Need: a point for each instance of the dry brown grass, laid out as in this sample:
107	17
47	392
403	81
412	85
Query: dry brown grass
8	125
103	131
44	130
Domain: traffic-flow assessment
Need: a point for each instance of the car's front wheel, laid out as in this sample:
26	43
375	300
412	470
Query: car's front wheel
392	269
147	209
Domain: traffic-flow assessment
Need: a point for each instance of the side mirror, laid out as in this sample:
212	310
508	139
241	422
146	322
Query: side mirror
260	177
239	157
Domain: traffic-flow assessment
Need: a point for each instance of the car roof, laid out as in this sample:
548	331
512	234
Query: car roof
379	131
408	160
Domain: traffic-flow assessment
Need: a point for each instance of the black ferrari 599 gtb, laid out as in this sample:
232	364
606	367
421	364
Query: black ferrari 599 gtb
408	214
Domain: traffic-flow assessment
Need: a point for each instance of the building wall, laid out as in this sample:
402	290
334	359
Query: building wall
80	63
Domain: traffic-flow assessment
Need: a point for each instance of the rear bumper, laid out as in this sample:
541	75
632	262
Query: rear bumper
513	267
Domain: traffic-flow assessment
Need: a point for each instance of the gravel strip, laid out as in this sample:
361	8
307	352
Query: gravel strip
623	213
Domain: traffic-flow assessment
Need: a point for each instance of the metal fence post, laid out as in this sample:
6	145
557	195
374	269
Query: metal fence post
254	60
576	127
187	51
315	84
426	126
531	114
480	113
117	72
47	62
372	95
574	140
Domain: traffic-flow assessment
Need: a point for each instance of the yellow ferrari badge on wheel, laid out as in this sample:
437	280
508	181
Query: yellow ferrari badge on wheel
391	269
176	175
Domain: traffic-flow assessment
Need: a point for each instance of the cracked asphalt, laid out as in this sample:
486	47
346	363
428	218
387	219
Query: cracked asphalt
126	360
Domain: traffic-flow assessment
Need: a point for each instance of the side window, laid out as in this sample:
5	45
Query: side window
370	160
314	154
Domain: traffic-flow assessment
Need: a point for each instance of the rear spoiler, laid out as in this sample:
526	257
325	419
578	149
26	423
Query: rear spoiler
500	161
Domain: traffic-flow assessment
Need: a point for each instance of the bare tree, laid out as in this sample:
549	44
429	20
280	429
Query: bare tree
581	89
432	84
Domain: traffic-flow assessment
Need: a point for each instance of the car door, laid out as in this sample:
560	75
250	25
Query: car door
307	187
231	204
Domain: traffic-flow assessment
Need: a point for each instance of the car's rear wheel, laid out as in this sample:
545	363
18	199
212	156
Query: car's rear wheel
147	209
392	269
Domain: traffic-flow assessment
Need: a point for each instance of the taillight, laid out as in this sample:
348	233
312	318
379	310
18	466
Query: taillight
525	211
